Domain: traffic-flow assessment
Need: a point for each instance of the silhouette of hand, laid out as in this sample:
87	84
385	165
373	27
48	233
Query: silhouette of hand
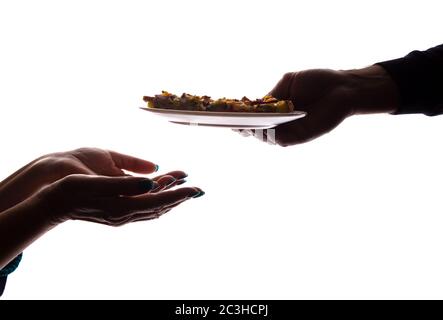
84	184
94	161
328	97
323	94
89	161
113	201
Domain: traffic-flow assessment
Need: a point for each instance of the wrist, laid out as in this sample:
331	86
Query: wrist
25	183
372	90
50	207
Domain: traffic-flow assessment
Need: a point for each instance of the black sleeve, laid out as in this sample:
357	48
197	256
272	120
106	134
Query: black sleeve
7	270
2	285
419	77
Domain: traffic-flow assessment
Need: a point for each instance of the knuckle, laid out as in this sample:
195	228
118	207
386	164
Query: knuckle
70	182
83	150
287	77
114	222
54	164
117	224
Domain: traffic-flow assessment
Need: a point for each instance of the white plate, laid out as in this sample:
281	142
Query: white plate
235	120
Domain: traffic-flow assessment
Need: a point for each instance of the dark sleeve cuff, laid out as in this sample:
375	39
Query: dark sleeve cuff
419	77
11	266
2	285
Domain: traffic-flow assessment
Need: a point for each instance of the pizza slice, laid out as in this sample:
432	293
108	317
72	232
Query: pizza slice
166	100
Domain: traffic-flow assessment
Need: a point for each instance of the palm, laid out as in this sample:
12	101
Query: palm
87	161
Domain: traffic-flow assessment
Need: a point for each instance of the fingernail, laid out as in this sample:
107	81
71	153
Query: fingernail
147	184
185	175
198	194
181	182
156	168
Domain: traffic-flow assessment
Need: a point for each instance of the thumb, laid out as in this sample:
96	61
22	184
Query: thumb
282	89
107	186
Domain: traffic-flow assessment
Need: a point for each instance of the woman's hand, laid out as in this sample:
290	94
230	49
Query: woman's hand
112	201
94	161
90	161
329	97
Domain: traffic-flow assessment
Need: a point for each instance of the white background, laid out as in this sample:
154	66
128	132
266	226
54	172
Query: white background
354	214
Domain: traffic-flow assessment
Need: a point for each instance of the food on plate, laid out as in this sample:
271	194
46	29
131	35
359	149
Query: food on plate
166	100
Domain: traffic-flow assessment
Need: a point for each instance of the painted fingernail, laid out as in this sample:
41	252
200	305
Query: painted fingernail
185	175
198	194
147	184
156	168
181	182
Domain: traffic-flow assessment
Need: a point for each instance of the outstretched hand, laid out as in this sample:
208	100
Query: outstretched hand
322	94
112	201
88	161
83	184
328	97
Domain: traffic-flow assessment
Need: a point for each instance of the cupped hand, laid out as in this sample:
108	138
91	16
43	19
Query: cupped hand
113	201
95	161
89	161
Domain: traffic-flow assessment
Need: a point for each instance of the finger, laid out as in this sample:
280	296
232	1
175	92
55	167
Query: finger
87	218
123	161
317	122
293	132
116	210
106	186
124	219
161	211
163	183
178	175
172	197
282	89
100	220
153	215
140	218
153	201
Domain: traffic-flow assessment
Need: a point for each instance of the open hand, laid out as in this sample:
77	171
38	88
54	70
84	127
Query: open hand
112	201
88	161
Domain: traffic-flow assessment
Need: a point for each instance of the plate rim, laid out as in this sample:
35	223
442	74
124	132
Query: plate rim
224	114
